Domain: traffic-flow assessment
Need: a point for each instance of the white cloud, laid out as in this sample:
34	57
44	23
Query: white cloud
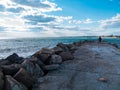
12	18
113	22
88	21
13	23
31	5
29	18
75	21
73	31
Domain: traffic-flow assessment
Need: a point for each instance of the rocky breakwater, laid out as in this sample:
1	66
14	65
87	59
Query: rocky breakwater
96	66
18	73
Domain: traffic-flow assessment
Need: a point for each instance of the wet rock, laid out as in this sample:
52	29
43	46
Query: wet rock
58	50
47	51
38	72
14	58
10	69
77	43
40	63
12	84
72	47
51	67
36	60
5	62
32	68
24	77
55	59
44	54
115	45
1	80
66	56
63	46
43	57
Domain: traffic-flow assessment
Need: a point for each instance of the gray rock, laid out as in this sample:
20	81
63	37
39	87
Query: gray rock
47	51
58	50
72	48
38	72
12	84
42	57
1	80
44	54
10	69
40	63
35	60
77	43
24	77
5	62
55	59
51	67
14	58
32	68
63	46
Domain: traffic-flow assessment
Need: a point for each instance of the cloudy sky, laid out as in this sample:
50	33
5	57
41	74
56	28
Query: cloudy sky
55	18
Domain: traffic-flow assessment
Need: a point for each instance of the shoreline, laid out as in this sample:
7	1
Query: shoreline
29	46
23	72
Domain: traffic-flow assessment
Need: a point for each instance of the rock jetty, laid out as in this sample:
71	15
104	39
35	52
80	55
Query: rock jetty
86	65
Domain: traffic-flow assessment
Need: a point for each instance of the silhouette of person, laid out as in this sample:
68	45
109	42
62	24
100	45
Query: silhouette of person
100	39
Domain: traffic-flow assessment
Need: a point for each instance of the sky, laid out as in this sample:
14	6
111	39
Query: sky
58	18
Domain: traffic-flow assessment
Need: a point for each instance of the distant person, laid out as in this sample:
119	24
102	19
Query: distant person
100	39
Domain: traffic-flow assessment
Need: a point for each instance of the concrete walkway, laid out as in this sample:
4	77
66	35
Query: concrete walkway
92	61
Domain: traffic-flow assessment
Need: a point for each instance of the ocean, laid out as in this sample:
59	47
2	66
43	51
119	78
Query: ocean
27	46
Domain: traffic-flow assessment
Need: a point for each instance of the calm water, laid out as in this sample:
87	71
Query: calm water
26	47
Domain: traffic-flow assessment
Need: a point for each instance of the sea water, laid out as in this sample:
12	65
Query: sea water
27	46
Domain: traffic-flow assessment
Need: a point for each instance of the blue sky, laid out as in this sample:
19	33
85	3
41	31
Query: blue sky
55	18
82	9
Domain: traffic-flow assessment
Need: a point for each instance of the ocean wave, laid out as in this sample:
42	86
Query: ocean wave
26	47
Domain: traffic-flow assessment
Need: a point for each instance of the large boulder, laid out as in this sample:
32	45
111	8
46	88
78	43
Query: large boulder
14	58
72	47
55	59
77	43
47	51
51	67
1	80
66	56
24	77
12	84
44	54
36	60
10	69
32	68
43	57
63	46
58	50
5	62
